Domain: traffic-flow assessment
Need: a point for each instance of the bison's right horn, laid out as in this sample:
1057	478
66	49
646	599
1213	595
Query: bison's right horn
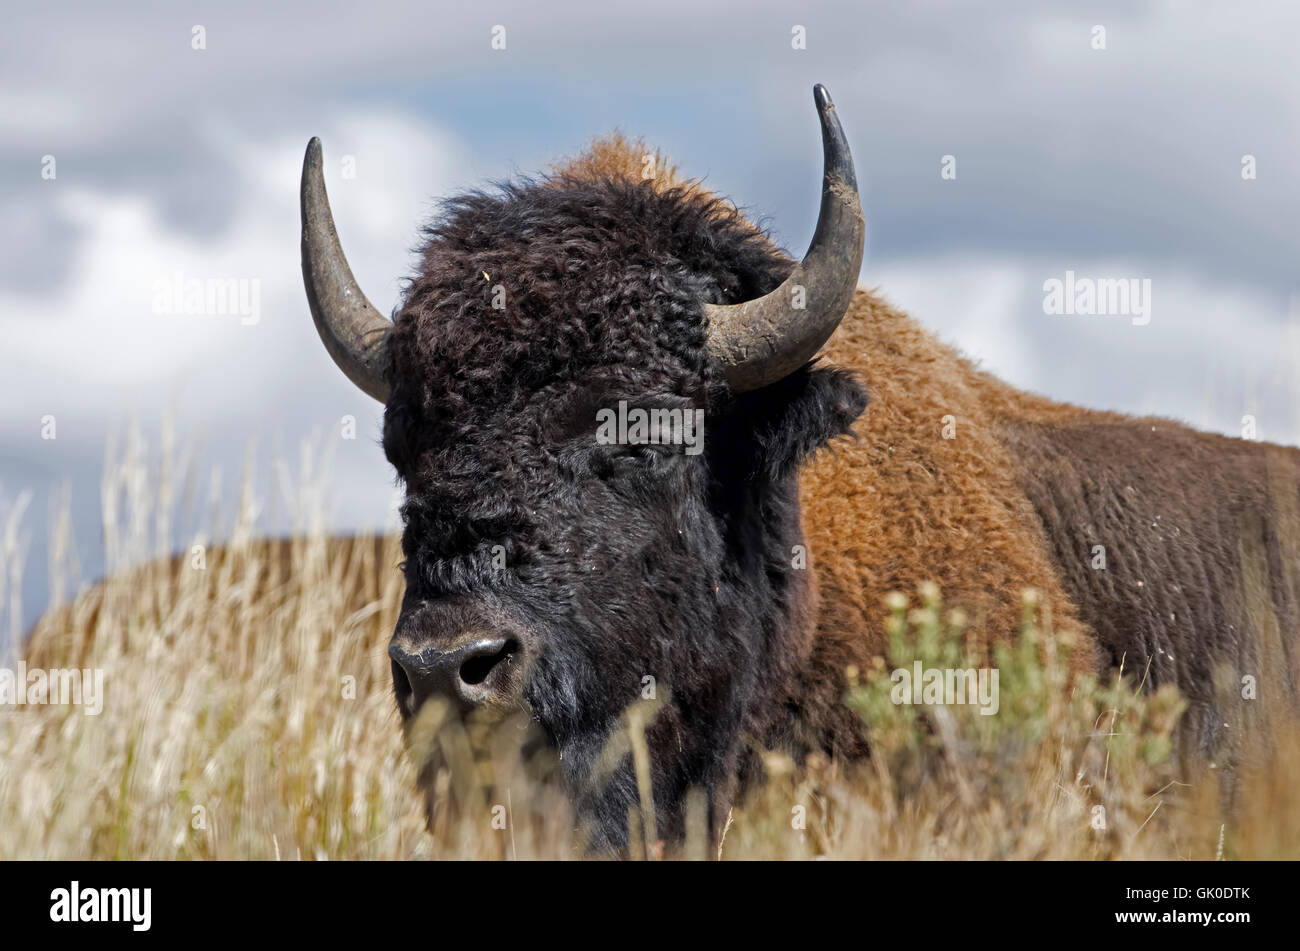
764	340
353	331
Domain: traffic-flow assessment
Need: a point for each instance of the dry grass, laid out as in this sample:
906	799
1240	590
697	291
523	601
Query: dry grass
248	714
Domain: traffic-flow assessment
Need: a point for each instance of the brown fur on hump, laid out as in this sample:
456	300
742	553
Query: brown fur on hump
901	505
614	155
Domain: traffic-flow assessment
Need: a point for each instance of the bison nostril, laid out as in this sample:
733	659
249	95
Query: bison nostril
477	668
470	675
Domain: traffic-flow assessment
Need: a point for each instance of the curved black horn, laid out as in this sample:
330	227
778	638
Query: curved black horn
353	331
765	339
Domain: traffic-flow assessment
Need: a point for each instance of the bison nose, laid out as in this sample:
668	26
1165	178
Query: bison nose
471	675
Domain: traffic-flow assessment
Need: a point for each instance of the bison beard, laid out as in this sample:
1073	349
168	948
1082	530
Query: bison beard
591	567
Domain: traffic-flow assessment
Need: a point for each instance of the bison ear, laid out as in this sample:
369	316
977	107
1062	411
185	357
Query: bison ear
789	420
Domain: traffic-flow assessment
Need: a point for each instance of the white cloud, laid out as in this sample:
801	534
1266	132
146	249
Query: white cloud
93	353
1212	352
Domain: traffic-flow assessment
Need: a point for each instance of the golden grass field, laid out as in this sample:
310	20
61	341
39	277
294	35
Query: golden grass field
248	714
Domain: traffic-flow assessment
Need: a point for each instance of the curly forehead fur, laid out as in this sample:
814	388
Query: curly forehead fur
591	273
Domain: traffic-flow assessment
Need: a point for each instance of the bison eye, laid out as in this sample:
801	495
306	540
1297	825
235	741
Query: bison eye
613	462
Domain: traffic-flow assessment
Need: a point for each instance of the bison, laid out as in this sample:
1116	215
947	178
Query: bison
551	570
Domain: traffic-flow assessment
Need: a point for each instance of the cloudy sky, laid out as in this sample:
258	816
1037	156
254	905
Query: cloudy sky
130	159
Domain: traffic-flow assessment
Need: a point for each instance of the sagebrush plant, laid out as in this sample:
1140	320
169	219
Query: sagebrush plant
1093	759
248	713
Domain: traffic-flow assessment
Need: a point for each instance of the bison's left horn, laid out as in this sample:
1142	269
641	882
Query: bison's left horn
766	339
353	331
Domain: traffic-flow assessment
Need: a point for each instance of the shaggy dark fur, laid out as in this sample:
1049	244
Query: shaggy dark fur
623	561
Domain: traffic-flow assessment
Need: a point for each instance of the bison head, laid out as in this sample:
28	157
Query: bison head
574	537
